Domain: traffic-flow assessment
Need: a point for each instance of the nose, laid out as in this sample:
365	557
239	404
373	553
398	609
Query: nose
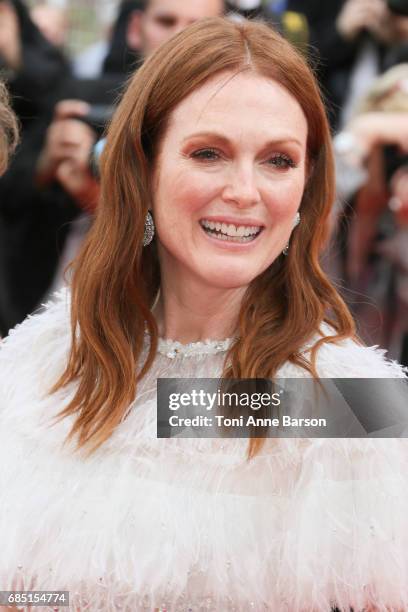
241	188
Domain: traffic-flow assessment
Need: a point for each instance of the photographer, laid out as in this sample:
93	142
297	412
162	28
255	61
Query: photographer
46	215
65	155
355	40
372	154
159	20
34	69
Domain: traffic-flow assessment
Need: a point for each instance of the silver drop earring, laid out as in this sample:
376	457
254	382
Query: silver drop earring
148	229
295	224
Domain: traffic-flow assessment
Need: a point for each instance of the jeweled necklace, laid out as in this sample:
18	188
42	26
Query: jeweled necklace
173	348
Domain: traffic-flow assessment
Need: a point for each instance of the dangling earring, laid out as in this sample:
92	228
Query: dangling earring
295	224
148	229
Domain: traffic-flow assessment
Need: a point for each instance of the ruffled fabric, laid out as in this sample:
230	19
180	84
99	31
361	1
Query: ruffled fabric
189	524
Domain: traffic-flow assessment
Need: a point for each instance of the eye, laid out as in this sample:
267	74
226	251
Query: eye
281	161
206	155
166	21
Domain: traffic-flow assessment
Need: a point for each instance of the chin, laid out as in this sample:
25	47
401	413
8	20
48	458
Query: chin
228	277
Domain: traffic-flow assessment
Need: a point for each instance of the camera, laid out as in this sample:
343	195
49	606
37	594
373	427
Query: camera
98	117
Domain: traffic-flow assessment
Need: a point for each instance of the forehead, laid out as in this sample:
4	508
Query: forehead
187	9
49	13
238	104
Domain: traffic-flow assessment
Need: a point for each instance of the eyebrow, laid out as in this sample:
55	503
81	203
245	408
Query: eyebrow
221	138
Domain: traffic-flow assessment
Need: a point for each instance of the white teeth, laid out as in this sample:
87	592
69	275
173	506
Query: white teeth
230	232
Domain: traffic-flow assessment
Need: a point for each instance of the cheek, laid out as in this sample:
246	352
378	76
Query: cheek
159	36
182	192
152	36
284	200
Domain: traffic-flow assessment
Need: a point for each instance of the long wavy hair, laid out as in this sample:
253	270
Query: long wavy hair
115	279
9	128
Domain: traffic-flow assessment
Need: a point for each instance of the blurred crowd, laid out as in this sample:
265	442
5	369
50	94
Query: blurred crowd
359	50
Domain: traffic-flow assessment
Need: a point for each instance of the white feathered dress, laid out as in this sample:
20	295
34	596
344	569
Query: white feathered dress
188	524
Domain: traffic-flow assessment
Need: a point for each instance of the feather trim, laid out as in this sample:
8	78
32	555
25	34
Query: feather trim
181	524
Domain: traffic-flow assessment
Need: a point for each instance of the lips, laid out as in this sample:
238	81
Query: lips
231	232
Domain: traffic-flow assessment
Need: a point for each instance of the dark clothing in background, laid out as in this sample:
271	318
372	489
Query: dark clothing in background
121	59
334	57
35	221
331	55
33	228
27	224
44	67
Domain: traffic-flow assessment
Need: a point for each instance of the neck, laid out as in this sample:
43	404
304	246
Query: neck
189	311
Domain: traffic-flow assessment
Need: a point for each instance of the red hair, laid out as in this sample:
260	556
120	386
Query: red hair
115	280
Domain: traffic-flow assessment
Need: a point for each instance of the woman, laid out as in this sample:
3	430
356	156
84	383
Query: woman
222	134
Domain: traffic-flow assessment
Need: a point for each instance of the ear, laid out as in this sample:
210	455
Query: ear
134	31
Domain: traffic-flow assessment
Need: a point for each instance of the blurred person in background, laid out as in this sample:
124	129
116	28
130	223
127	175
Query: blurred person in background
53	22
151	22
372	154
32	66
162	19
89	62
355	41
145	26
124	53
34	70
45	217
381	29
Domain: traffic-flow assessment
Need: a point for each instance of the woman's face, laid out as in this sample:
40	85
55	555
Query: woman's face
228	180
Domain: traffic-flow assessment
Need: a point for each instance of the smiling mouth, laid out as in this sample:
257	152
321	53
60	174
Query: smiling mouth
231	233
